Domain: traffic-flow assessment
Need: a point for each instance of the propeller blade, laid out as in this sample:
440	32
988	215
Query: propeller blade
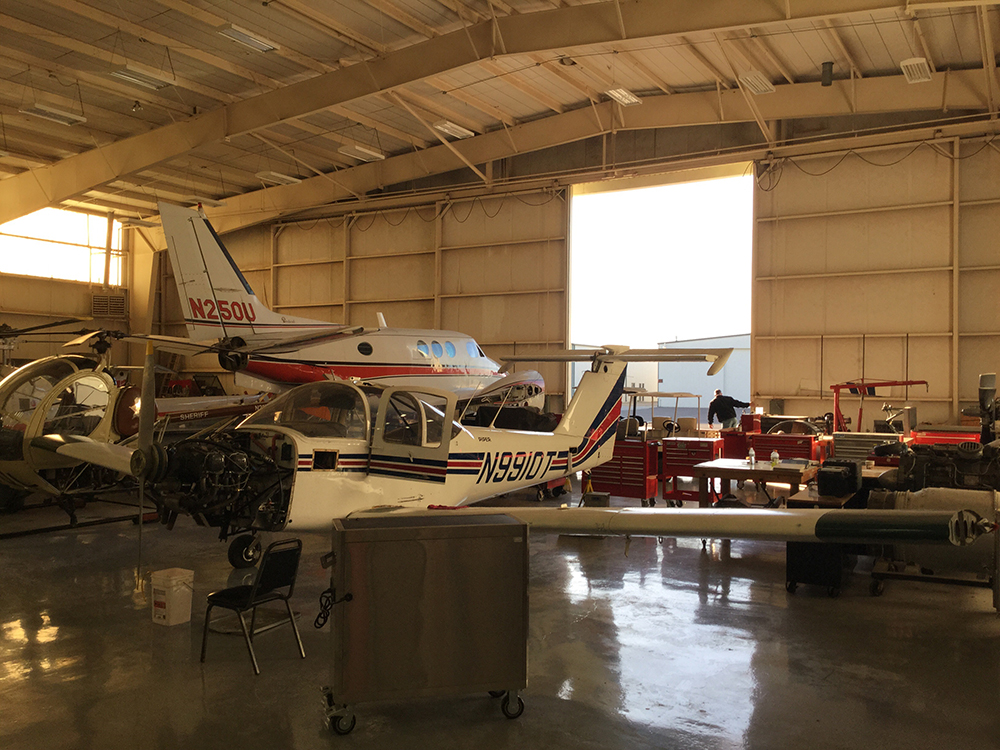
41	327
147	408
87	336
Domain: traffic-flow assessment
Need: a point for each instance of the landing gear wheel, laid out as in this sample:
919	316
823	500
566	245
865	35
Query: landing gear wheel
876	587
790	586
833	591
244	551
343	724
498	693
508	711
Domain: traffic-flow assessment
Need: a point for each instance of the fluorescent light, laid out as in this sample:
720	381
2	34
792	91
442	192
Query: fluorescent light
277	178
449	128
624	97
361	153
247	38
756	83
48	112
916	70
131	75
139	223
192	200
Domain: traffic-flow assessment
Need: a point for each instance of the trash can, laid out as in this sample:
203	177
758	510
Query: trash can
172	590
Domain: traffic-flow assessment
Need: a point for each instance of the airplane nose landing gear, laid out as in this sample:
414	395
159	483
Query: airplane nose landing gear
244	551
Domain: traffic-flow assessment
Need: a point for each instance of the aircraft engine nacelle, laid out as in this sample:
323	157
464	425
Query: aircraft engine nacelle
232	360
225	479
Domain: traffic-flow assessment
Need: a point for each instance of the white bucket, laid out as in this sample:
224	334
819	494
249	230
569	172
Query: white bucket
172	590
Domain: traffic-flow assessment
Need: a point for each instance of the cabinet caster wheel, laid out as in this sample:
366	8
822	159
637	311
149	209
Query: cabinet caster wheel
876	587
343	724
511	713
790	586
833	592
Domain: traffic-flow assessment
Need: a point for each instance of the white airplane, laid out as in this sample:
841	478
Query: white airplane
271	351
330	449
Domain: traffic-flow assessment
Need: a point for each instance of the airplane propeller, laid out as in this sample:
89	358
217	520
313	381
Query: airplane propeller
148	458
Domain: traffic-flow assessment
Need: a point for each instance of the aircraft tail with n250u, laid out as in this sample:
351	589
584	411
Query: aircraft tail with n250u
273	351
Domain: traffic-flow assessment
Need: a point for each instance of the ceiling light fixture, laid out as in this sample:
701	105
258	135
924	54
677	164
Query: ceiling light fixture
624	97
567	61
193	200
54	114
136	107
455	131
139	223
756	83
247	38
131	75
361	153
916	70
277	178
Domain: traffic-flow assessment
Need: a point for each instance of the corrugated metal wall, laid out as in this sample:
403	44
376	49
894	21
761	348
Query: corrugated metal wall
878	264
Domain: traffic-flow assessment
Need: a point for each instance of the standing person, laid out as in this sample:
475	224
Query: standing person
725	408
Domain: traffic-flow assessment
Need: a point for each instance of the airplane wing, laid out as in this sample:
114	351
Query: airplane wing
718	357
179	345
495	391
295	343
110	455
864	526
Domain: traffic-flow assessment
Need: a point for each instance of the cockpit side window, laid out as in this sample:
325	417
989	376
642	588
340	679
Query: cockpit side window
403	420
322	410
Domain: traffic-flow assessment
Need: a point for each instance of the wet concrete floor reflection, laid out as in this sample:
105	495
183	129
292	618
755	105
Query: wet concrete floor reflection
670	646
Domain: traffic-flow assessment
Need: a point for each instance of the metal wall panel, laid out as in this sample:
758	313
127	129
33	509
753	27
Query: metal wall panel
879	265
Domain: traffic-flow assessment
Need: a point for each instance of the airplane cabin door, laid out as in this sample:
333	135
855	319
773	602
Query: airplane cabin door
413	431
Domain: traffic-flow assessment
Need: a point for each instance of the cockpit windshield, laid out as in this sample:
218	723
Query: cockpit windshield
322	410
32	383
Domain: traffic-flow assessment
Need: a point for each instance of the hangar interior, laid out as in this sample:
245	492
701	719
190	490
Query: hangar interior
417	158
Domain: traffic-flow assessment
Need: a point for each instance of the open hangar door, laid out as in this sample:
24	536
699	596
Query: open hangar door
493	267
880	264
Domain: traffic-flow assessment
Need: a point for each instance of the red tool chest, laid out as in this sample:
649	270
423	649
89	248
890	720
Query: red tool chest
679	456
734	444
630	473
788	445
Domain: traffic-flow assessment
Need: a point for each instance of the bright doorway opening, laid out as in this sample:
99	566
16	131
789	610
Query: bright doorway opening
666	261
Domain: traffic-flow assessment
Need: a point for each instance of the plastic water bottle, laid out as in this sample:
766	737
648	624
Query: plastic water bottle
752	458
774	459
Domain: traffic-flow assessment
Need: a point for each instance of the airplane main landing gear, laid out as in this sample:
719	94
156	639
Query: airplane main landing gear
244	551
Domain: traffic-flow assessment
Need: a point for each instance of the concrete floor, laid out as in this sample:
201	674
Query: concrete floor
671	646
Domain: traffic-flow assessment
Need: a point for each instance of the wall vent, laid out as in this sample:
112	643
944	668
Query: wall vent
109	306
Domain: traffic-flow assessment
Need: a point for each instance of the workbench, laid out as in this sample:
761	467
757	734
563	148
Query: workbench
729	469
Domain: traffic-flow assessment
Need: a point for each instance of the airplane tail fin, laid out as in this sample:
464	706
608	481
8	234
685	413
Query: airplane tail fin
216	298
592	414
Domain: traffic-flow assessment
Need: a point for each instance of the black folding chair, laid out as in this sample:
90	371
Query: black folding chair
275	581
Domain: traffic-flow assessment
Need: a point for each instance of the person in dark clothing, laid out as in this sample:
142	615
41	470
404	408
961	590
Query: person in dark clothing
724	407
